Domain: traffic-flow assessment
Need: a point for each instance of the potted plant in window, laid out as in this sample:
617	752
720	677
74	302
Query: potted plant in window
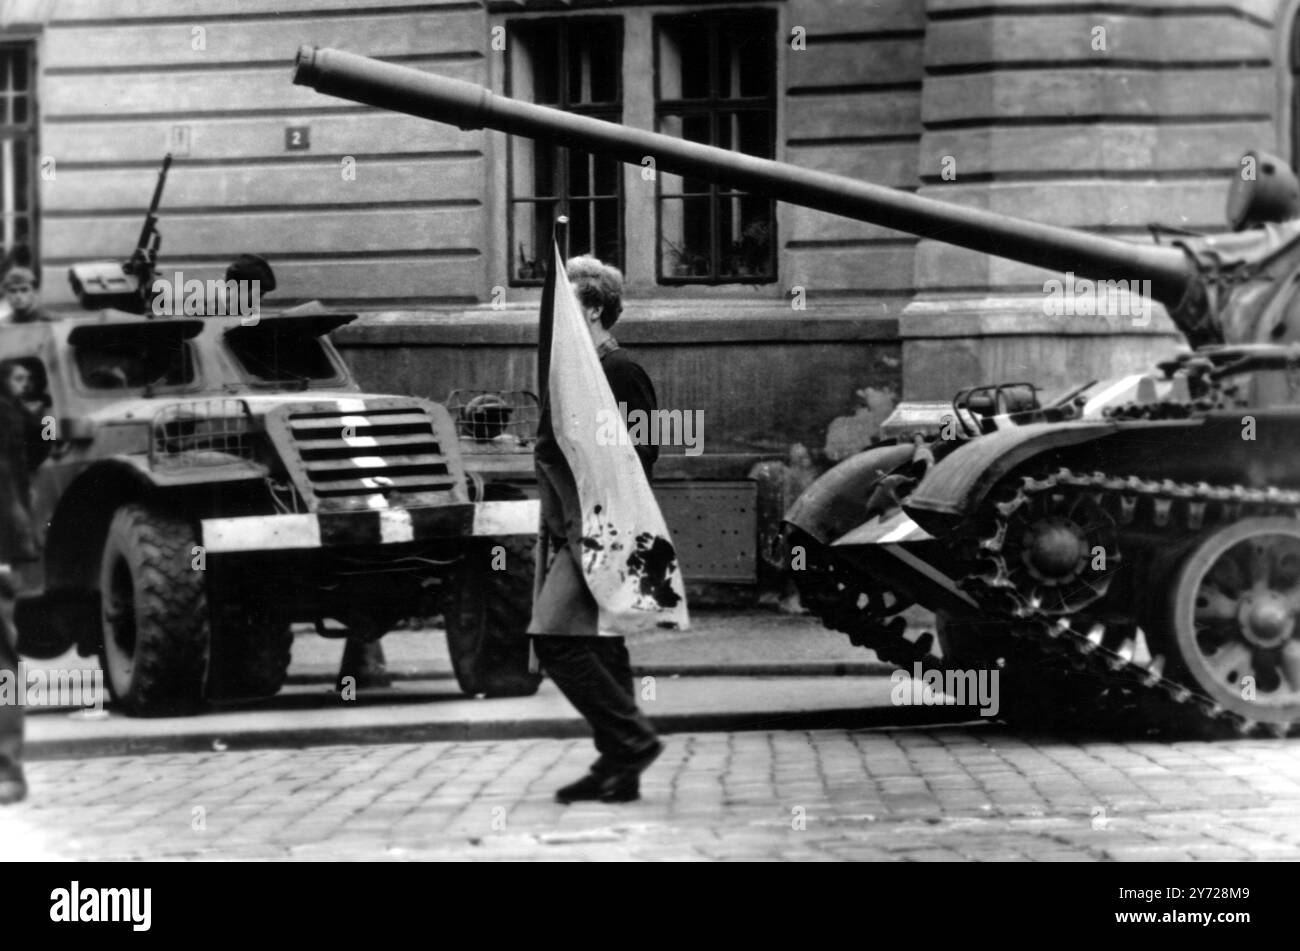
529	269
684	262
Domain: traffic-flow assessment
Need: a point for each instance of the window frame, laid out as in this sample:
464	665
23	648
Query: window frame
714	107
27	41
612	111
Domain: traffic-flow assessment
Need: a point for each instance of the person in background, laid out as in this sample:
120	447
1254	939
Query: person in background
17	543
593	671
22	294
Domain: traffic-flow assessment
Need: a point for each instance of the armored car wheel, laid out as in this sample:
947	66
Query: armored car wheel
487	611
154	646
255	647
1234	607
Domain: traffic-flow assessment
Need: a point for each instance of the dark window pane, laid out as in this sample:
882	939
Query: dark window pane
579	227
746	230
605	68
22	175
545	169
531	227
579	174
686	247
608	176
607	230
749	132
757	71
745	61
684	61
544	51
20	68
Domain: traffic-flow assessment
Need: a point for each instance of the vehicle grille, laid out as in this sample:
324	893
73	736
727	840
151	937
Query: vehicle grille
359	459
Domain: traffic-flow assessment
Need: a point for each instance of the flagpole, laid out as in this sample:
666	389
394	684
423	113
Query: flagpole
546	318
545	333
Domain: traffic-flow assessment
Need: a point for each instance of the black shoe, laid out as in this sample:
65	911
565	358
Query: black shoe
623	786
612	780
608	765
12	790
588	788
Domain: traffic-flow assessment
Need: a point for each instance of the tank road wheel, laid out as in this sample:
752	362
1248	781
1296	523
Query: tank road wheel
1234	605
154	648
487	612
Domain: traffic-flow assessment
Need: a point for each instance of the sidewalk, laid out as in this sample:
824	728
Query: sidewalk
719	643
732	671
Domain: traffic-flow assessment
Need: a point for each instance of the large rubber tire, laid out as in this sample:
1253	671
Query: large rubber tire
155	635
487	612
257	648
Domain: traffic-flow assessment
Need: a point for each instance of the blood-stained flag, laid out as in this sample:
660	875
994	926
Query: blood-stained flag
623	548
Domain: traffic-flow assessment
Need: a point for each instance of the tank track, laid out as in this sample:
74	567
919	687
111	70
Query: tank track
1090	682
869	613
1125	687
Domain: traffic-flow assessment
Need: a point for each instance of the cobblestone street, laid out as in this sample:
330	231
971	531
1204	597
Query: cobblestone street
980	793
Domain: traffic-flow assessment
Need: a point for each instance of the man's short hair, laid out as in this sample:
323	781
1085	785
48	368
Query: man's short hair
251	267
18	276
598	285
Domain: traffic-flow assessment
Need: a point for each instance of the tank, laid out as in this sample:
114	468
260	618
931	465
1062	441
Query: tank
1125	555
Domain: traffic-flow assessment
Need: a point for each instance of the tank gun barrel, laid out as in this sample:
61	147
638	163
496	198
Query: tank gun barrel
469	106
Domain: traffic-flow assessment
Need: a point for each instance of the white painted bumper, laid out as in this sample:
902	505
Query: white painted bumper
255	533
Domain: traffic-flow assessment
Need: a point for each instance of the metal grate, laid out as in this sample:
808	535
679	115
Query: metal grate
504	417
201	433
376	450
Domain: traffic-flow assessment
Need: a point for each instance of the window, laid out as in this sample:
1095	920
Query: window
575	65
131	362
17	150
271	354
715	78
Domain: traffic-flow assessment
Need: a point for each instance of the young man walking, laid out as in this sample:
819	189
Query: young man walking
592	671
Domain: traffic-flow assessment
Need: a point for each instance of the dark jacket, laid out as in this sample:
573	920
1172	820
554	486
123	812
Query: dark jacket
17	539
632	387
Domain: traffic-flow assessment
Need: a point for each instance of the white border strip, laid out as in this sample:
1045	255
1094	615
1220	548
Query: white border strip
507	518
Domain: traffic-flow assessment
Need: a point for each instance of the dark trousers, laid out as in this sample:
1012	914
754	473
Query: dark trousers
11	714
595	675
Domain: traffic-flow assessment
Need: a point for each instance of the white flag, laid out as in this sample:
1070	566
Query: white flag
627	557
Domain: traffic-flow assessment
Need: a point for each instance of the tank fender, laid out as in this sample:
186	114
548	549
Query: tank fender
959	482
837	501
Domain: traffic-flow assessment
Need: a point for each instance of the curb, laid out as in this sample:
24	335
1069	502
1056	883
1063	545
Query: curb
809	669
465	731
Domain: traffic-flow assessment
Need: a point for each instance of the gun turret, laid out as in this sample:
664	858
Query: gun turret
125	285
1203	282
